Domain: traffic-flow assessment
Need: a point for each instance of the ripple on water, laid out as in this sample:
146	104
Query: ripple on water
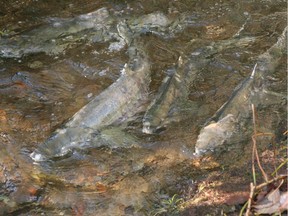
37	99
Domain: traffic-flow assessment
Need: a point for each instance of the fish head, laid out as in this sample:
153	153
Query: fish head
125	32
37	157
215	134
138	62
150	128
198	152
147	129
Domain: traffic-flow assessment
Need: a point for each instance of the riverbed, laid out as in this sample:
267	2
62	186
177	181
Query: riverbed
57	56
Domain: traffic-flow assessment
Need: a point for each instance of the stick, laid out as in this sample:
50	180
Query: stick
255	147
252	188
281	177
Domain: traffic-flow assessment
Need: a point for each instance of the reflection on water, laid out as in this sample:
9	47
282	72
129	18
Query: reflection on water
40	91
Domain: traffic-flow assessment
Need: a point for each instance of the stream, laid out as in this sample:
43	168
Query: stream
118	107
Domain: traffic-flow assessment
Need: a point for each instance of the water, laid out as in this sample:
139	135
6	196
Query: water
40	91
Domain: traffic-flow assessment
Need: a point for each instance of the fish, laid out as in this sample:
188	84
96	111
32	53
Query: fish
215	134
115	105
174	87
239	99
269	60
224	123
57	34
169	91
232	118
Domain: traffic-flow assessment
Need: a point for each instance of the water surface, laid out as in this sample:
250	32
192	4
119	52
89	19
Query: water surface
40	91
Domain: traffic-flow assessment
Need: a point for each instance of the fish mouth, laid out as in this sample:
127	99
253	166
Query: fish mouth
37	157
199	152
149	129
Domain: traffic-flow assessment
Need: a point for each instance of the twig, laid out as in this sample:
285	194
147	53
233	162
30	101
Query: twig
255	147
253	163
252	189
256	188
258	160
256	152
281	177
254	119
264	134
274	156
282	164
243	208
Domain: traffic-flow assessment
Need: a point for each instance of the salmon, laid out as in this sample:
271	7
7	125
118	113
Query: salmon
224	123
119	102
175	87
169	91
56	35
232	117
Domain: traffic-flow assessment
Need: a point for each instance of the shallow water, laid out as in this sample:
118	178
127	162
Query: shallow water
40	91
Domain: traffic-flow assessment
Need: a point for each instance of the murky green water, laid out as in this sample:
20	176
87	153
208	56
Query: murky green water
45	80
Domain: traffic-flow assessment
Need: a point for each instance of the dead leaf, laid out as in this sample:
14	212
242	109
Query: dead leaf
274	202
284	201
235	198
